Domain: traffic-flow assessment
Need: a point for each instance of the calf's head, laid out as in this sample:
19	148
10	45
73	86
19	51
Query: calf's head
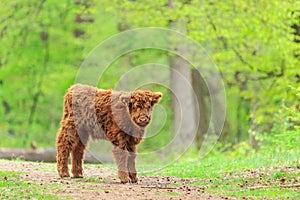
141	105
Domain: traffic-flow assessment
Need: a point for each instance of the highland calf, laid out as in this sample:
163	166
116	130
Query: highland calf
117	116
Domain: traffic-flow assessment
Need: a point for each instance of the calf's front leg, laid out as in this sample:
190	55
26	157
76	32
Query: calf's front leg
131	164
131	167
121	158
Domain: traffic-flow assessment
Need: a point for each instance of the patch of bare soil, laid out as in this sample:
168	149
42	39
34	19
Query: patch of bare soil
101	182
267	177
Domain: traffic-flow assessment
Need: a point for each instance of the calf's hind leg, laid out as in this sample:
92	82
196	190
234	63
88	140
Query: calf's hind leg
77	159
63	147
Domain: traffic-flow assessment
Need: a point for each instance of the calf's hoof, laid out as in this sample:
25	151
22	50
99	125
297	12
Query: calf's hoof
124	177
64	175
77	176
133	177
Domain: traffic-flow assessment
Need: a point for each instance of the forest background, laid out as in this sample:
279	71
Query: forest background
254	44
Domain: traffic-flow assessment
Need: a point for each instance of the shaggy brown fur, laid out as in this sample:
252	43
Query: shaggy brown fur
119	117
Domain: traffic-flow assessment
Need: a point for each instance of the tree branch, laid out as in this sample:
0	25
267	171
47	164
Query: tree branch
36	13
39	85
269	74
268	186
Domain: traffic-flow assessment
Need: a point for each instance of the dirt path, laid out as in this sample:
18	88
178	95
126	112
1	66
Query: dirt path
100	182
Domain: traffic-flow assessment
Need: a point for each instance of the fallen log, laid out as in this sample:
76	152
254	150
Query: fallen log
45	155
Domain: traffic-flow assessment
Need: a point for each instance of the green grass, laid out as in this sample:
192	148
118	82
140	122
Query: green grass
12	188
91	180
254	176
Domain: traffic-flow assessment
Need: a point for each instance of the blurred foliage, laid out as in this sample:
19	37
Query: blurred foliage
253	43
42	46
286	131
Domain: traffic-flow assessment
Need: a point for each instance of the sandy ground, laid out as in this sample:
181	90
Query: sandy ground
101	182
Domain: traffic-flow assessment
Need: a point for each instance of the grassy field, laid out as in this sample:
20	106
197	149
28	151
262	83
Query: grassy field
269	176
272	175
12	188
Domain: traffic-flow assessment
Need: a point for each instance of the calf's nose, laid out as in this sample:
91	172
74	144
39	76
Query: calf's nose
144	119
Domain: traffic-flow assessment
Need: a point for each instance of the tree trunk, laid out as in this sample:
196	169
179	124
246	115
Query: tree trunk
183	97
201	92
184	124
253	128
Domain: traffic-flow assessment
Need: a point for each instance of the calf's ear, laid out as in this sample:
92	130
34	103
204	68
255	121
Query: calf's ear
124	98
156	97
